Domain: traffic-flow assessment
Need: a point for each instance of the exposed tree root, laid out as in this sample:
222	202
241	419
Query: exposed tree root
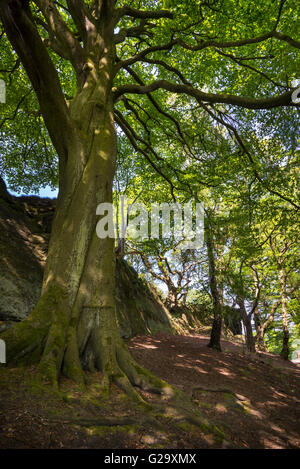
99	422
239	397
50	338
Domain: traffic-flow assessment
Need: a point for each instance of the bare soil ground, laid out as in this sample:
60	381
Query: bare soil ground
252	402
254	399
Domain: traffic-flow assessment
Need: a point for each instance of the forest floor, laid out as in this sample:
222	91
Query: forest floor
252	402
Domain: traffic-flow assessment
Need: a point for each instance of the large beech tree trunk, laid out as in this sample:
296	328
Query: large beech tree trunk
73	327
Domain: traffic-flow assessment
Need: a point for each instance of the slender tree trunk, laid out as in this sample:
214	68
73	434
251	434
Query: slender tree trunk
260	337
260	328
246	318
286	334
215	336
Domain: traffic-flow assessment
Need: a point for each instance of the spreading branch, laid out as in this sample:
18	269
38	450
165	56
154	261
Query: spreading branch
241	101
142	14
26	40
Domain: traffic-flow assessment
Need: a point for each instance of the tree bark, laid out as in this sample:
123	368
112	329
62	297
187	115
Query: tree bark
260	337
172	300
246	318
215	336
286	334
73	327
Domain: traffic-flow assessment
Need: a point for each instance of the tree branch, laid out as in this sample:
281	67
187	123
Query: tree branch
62	33
201	45
143	14
130	134
25	39
241	101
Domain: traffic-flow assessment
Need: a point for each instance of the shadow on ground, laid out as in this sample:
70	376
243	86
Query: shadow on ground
254	399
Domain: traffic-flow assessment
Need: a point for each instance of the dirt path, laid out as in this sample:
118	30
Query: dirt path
253	401
256	400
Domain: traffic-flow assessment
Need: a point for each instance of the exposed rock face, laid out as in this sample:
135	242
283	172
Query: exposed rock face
23	249
4	194
25	224
139	309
